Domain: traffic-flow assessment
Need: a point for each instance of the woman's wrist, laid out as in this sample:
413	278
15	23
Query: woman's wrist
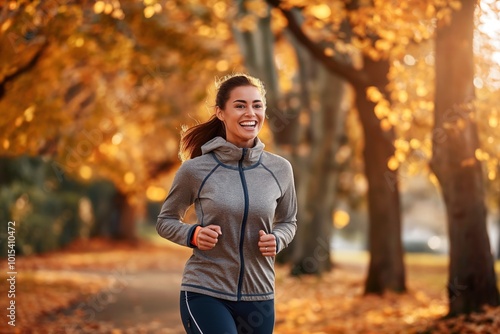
194	239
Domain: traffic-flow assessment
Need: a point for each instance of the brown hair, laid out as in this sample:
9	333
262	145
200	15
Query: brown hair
192	139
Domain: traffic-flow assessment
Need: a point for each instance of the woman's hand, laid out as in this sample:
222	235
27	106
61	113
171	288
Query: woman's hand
208	237
267	244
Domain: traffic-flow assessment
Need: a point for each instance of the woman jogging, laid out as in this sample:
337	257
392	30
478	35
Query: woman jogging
246	209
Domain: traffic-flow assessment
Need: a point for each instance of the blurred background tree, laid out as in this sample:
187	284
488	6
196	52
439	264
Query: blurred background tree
454	161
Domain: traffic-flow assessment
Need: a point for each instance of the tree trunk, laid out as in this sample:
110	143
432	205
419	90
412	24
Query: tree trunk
319	173
471	281
124	225
386	269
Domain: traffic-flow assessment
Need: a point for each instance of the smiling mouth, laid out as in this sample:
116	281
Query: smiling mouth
249	124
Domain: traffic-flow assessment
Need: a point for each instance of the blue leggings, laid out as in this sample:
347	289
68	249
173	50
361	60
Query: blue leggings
202	314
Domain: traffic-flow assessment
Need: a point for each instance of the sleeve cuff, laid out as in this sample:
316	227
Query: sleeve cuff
277	242
191	235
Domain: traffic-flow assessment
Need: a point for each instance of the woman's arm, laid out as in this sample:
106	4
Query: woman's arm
181	196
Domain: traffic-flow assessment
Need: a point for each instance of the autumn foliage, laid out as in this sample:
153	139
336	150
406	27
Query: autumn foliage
100	90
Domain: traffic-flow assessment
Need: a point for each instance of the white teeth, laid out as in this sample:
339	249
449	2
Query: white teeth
253	123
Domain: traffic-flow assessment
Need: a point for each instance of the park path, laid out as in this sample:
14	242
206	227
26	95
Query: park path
146	299
133	290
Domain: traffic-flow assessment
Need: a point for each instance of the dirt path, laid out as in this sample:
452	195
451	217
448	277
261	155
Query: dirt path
123	290
146	299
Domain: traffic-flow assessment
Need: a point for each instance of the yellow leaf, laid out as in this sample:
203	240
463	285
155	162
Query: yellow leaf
28	113
422	91
99	7
373	94
156	194
415	143
385	124
493	121
329	52
258	7
129	178
85	172
108	8
456	5
6	25
149	11
402	96
382	109
340	219
383	45
321	12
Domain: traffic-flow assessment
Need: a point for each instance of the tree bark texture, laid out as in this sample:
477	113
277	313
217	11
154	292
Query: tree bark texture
386	269
471	281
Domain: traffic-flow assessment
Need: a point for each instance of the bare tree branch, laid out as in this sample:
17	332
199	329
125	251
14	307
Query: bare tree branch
347	72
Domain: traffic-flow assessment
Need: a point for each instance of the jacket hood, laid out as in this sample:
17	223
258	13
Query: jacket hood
230	154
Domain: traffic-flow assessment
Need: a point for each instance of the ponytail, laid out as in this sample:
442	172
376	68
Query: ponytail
193	138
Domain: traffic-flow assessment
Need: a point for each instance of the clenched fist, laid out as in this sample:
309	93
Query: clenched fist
267	244
208	237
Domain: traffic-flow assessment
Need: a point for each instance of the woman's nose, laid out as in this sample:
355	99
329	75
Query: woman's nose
250	111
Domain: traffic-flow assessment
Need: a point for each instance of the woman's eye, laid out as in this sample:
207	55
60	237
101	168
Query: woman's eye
240	106
257	106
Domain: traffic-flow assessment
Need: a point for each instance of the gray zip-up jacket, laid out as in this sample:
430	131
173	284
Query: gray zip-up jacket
243	190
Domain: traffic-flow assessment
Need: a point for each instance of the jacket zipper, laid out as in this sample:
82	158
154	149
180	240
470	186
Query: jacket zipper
244	221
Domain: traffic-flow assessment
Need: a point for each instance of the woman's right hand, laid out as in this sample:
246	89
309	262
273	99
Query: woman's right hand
208	237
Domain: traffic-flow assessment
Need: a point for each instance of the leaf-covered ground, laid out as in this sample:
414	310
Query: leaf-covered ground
103	287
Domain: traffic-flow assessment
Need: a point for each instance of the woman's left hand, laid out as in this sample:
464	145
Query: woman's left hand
267	244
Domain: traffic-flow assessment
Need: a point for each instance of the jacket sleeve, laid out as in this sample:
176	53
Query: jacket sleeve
182	194
285	218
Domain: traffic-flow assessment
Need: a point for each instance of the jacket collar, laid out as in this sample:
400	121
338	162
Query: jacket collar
230	154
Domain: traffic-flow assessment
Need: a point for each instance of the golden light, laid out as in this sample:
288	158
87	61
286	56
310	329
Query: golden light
385	124
18	121
415	143
321	12
149	11
393	163
489	25
220	9
99	7
156	194
79	42
434	180
360	183
341	219
381	110
117	138
329	52
85	172
108	8
6	144
493	121
129	178
29	113
481	155
222	65
204	30
373	94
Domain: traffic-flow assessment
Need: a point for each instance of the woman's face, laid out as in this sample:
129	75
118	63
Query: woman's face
243	115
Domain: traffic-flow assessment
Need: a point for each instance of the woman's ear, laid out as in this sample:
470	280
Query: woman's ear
219	113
